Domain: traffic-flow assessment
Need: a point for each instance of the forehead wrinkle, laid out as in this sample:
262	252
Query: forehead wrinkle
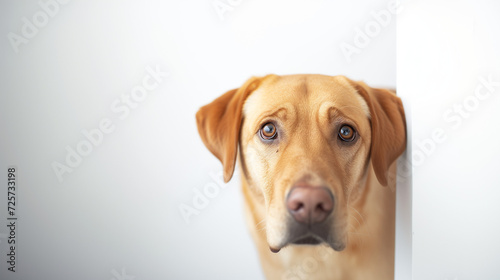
324	110
328	110
282	110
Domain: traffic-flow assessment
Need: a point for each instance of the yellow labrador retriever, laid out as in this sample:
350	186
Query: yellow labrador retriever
315	153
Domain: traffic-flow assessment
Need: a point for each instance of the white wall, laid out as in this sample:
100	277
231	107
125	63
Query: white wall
445	50
117	212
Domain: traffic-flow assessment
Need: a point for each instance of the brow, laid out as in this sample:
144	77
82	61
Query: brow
332	112
284	110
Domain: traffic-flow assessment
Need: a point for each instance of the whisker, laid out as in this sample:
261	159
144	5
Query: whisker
261	226
354	217
355	210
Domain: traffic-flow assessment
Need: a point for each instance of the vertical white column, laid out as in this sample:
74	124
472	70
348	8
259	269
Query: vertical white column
449	64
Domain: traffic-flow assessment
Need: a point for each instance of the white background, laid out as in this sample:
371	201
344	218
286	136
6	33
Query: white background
118	213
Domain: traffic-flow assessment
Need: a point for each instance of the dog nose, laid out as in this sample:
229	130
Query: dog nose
309	205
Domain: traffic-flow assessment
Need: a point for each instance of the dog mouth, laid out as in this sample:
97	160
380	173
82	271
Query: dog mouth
307	234
312	240
326	233
311	235
308	240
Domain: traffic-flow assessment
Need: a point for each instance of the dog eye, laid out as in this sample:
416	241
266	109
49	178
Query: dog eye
268	132
347	133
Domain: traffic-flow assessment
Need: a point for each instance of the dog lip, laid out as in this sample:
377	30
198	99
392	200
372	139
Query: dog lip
338	247
274	250
308	240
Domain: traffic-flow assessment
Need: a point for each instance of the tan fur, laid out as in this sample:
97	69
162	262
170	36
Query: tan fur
309	109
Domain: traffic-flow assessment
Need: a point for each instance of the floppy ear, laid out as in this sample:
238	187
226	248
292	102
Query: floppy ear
219	124
388	127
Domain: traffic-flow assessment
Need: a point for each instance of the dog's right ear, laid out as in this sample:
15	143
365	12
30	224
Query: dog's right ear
219	124
388	126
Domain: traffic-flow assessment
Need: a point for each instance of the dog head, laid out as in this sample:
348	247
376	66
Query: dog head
306	143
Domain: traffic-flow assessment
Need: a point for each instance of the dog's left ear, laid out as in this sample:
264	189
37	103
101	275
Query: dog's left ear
219	124
388	127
